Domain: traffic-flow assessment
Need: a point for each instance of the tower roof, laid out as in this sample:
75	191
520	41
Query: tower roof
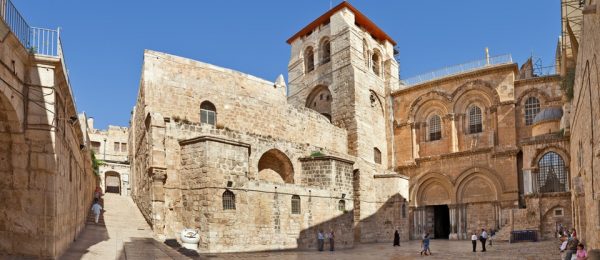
360	19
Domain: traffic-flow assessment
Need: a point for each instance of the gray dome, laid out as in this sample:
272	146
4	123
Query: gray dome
548	114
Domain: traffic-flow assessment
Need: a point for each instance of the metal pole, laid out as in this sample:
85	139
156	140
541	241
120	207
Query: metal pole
104	150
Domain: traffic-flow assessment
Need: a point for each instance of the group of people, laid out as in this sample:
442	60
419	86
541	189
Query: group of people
483	237
570	245
321	240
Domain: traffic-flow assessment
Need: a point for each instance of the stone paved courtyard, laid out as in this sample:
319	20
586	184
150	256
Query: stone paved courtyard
442	249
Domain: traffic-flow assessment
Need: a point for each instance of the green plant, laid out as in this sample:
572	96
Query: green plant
316	154
567	83
96	163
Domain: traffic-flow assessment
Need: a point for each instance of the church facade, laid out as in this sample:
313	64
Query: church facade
346	146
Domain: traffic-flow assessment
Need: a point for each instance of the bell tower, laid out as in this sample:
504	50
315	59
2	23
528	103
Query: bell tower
342	66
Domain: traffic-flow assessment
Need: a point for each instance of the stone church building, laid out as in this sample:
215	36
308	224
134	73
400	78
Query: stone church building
346	146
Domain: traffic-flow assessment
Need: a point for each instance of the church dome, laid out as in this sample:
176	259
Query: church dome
548	114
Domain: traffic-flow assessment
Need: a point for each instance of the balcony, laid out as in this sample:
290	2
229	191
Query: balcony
39	41
458	69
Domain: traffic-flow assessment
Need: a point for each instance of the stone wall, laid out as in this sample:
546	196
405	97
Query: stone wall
47	178
585	120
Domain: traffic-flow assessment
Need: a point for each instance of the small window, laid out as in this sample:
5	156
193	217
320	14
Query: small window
228	200
123	147
475	121
558	212
375	63
295	204
435	128
208	113
117	146
325	51
532	108
309	60
377	155
96	147
342	205
403	210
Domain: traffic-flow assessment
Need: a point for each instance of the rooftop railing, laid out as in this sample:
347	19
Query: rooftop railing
40	41
458	69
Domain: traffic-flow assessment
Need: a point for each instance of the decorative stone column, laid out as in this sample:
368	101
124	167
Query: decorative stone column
454	132
527	181
414	130
453	222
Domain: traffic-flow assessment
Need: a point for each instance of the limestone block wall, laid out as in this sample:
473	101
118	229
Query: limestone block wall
262	218
47	179
243	102
585	118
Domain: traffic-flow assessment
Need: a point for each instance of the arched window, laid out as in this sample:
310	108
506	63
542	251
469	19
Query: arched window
309	59
376	155
403	210
475	125
208	113
325	51
375	63
228	200
342	205
320	100
295	204
532	108
552	175
435	128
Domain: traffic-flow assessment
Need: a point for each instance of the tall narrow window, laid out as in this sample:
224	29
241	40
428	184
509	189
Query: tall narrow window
325	51
123	147
342	205
403	210
309	59
435	128
228	200
375	63
377	155
475	122
208	113
295	204
552	176
532	108
117	147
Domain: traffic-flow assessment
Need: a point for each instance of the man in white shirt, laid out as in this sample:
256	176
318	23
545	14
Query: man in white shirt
484	237
97	209
474	241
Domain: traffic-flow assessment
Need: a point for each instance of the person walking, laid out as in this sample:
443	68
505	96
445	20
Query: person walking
474	241
96	209
320	240
396	238
571	247
331	237
491	236
425	245
483	237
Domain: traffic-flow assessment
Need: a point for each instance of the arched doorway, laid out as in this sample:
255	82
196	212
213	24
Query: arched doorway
112	182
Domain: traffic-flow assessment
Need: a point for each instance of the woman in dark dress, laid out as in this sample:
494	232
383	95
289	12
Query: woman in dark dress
396	238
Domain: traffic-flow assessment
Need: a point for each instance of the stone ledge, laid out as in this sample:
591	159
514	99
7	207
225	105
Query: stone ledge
326	157
205	138
390	175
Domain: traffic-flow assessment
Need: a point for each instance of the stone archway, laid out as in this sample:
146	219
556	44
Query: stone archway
275	166
320	100
14	221
112	182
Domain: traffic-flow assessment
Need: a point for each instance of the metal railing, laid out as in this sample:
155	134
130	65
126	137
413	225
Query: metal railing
40	41
458	69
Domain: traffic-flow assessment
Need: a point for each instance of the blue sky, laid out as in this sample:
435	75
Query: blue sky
104	40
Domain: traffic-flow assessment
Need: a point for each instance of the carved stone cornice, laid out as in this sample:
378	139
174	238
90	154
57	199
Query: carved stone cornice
157	174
